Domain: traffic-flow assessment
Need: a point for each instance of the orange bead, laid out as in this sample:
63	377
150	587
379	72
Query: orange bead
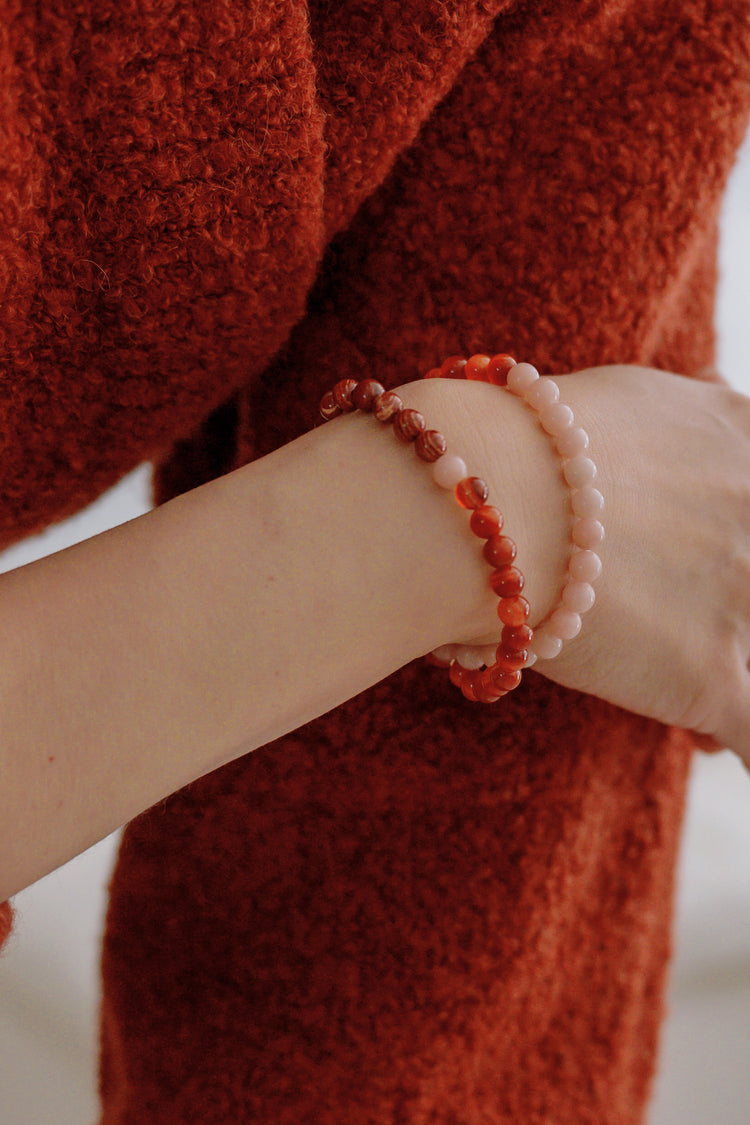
487	691
508	661
433	373
500	551
453	367
513	611
515	638
486	521
456	674
507	582
498	368
506	681
476	368
472	492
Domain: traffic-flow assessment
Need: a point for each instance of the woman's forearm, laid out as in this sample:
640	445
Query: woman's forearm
147	656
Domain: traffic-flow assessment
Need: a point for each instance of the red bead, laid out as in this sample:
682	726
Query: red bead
513	611
487	690
329	408
498	368
365	393
408	424
342	392
469	685
472	492
430	445
433	373
507	582
509	661
500	551
505	681
456	674
476	368
515	638
453	367
386	406
486	521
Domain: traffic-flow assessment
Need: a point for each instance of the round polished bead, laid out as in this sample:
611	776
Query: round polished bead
329	408
542	392
579	471
521	377
486	521
456	674
387	406
433	373
507	582
584	566
444	655
430	445
587	533
572	443
470	657
365	393
564	623
408	424
472	492
453	367
469	685
448	471
587	502
504	679
498	368
476	366
546	645
556	418
513	611
508	661
487	691
515	638
342	392
578	596
500	551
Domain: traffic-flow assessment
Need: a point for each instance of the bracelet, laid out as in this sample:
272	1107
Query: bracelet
542	394
496	669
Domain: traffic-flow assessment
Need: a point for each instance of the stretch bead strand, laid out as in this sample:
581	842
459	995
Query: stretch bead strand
484	674
542	395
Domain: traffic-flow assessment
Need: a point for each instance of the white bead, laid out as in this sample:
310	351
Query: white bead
543	392
579	472
470	656
521	377
448	470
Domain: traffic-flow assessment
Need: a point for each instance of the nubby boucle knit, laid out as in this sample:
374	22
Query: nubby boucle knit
413	911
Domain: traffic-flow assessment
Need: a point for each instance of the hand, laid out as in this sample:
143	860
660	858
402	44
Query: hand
669	635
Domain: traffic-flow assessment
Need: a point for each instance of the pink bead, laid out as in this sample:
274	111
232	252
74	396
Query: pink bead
470	656
587	502
556	418
445	654
584	566
587	533
579	472
448	471
578	596
564	623
573	442
543	392
546	645
521	377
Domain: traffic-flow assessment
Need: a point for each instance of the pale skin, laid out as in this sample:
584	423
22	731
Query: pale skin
152	654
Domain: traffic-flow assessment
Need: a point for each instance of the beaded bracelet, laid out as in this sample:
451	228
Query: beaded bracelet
497	670
542	394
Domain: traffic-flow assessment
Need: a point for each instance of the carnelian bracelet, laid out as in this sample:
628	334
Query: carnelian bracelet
495	670
542	394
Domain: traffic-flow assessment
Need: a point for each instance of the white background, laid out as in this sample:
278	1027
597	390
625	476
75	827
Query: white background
48	977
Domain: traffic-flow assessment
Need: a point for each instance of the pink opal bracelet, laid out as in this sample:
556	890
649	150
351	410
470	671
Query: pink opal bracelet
542	395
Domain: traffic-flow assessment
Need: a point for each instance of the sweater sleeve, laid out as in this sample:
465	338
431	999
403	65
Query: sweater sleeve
170	176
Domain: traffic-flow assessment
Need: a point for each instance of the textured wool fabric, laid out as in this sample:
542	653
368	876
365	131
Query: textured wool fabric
413	911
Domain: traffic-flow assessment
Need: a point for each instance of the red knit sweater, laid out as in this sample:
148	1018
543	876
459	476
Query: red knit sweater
414	910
